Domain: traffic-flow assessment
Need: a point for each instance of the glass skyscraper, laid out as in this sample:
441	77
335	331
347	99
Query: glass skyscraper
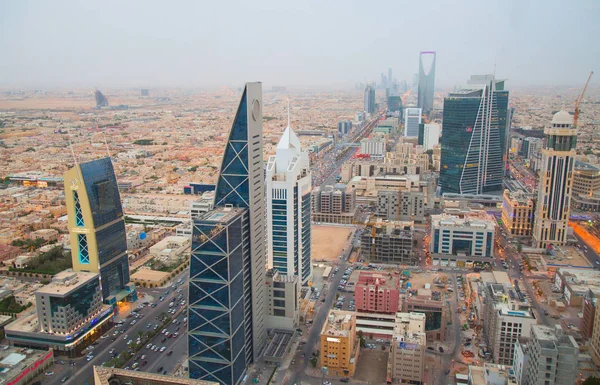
370	99
474	137
227	299
97	227
289	209
426	83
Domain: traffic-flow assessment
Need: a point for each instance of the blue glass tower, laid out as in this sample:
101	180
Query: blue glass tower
227	300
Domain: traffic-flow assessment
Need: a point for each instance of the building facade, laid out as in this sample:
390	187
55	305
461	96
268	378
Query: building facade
586	187
426	83
474	137
412	119
431	135
406	362
334	204
97	227
518	209
289	203
344	127
340	346
227	295
388	242
377	293
282	301
551	357
370	99
556	182
375	146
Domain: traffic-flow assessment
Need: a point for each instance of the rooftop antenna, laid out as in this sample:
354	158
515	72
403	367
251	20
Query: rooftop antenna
106	144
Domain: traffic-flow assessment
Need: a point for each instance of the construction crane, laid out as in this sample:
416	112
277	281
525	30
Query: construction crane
579	99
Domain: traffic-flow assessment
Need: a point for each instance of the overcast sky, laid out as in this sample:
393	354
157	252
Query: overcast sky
206	43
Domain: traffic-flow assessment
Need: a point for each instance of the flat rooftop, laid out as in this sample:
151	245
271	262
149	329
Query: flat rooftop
108	376
475	220
67	281
566	256
220	214
581	280
339	323
149	275
13	361
382	280
279	344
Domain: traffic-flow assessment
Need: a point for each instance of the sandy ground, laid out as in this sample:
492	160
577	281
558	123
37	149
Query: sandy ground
372	366
328	241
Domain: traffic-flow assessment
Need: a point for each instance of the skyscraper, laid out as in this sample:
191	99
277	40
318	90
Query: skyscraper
227	299
370	99
473	137
412	119
426	83
97	227
556	181
289	209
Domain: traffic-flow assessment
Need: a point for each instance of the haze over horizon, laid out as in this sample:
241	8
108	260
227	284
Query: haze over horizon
309	43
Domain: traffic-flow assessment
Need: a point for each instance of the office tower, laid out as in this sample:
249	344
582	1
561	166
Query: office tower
426	83
227	299
389	78
549	358
556	182
394	102
406	362
370	99
375	146
530	147
289	209
473	137
412	119
283	293
101	100
145	92
97	227
344	127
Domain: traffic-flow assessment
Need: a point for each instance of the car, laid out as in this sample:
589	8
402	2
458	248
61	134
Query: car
143	357
125	336
302	355
49	373
169	352
430	348
467	344
162	349
160	369
111	351
89	358
446	372
441	349
345	379
163	339
65	378
129	342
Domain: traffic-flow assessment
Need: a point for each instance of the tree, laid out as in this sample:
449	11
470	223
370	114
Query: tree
519	247
592	381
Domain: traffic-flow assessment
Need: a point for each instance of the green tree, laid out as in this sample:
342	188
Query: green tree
592	381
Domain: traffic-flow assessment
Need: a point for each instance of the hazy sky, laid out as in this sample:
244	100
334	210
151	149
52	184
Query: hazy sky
305	42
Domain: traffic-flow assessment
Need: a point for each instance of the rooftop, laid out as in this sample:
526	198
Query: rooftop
339	323
566	256
220	214
13	361
382	280
469	219
109	376
66	281
580	280
491	374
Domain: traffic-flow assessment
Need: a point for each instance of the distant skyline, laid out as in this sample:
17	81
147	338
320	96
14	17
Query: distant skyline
310	43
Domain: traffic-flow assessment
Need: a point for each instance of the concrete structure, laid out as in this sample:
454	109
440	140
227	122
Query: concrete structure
114	376
97	227
150	278
20	366
282	301
575	284
435	310
406	362
339	344
431	135
388	205
377	293
586	187
556	182
227	265
388	242
170	249
344	127
400	205
289	202
426	83
334	204
551	357
412	119
505	319
518	209
470	237
205	204
375	146
492	374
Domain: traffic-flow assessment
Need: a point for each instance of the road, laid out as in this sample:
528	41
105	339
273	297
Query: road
82	370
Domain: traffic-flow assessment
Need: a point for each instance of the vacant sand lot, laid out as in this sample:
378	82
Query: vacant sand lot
328	241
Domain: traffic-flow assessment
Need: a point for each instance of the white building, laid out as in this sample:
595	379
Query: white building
465	235
374	146
431	135
406	362
556	182
412	119
289	192
170	248
282	301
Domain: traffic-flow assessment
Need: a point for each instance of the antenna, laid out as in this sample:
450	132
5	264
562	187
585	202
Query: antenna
288	100
106	144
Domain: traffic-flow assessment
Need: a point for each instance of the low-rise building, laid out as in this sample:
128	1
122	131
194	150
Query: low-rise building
506	317
549	358
340	346
334	204
406	362
468	237
388	242
435	310
171	248
48	235
112	376
377	293
492	374
576	283
518	209
20	366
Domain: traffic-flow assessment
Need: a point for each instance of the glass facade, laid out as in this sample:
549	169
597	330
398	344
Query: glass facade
216	327
79	222
102	190
473	141
279	234
83	252
84	300
306	237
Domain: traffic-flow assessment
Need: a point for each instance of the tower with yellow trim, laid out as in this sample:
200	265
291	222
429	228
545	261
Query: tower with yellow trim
97	227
